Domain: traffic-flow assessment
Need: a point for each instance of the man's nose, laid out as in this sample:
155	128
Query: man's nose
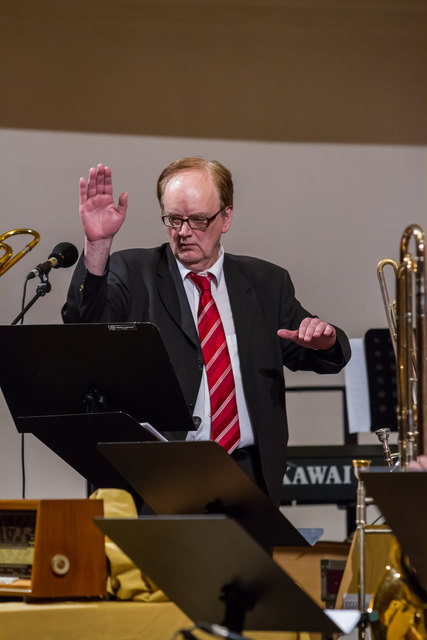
185	229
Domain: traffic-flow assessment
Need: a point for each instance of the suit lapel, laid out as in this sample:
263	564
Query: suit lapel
172	293
244	306
243	300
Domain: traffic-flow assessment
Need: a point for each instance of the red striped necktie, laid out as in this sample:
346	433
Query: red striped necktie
224	417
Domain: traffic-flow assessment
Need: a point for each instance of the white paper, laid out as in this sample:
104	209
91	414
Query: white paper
345	620
148	427
357	389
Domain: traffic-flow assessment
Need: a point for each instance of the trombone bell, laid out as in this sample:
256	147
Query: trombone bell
7	260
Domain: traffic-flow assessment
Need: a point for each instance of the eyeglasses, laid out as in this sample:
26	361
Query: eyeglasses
197	222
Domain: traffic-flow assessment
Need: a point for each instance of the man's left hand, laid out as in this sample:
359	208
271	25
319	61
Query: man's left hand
313	333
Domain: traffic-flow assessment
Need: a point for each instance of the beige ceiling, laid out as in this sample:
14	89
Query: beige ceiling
302	70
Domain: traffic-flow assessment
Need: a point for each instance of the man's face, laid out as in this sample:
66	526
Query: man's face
189	194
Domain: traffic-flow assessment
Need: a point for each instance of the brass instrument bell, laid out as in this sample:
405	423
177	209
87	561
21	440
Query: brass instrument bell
7	260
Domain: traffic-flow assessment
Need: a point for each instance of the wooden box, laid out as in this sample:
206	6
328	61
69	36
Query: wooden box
51	549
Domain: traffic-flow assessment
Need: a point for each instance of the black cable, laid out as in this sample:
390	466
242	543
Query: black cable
185	633
23	299
23	464
22	434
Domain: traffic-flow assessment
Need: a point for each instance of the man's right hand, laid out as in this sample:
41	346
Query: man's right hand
100	217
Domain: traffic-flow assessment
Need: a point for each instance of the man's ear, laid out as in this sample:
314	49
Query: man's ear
227	216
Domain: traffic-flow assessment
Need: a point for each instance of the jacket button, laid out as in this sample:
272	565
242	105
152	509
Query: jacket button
200	364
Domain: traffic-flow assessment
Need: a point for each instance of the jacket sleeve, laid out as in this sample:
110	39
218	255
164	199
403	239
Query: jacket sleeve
94	298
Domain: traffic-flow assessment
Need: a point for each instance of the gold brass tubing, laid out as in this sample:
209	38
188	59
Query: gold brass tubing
411	346
389	306
7	260
384	437
406	318
398	604
358	466
8	251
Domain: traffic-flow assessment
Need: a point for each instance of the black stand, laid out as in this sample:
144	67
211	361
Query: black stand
51	369
75	437
42	289
381	370
201	478
218	574
214	569
54	375
402	499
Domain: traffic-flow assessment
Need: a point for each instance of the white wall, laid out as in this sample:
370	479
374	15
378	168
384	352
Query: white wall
326	212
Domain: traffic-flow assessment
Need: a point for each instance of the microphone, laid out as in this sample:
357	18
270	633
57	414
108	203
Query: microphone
64	254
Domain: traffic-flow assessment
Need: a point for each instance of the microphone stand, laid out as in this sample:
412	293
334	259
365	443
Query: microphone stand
42	289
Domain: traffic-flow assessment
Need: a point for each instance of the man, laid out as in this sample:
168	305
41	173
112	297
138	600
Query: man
265	326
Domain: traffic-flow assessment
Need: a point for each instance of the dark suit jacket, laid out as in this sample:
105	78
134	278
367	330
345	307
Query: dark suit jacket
145	285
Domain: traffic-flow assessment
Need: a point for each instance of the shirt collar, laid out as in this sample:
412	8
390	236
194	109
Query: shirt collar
216	269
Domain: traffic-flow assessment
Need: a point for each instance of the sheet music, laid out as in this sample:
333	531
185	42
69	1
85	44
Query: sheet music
148	427
357	388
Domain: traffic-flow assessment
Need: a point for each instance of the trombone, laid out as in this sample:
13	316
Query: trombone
400	601
7	260
406	317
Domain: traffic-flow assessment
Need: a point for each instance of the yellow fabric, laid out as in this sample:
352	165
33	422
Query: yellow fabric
125	580
105	621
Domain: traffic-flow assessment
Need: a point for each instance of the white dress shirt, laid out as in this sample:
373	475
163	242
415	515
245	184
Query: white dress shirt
202	407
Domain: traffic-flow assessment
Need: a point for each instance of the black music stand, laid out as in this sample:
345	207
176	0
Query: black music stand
381	370
217	573
201	478
402	499
75	437
75	385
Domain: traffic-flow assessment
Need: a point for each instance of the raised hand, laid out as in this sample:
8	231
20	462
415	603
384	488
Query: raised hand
312	333
100	217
